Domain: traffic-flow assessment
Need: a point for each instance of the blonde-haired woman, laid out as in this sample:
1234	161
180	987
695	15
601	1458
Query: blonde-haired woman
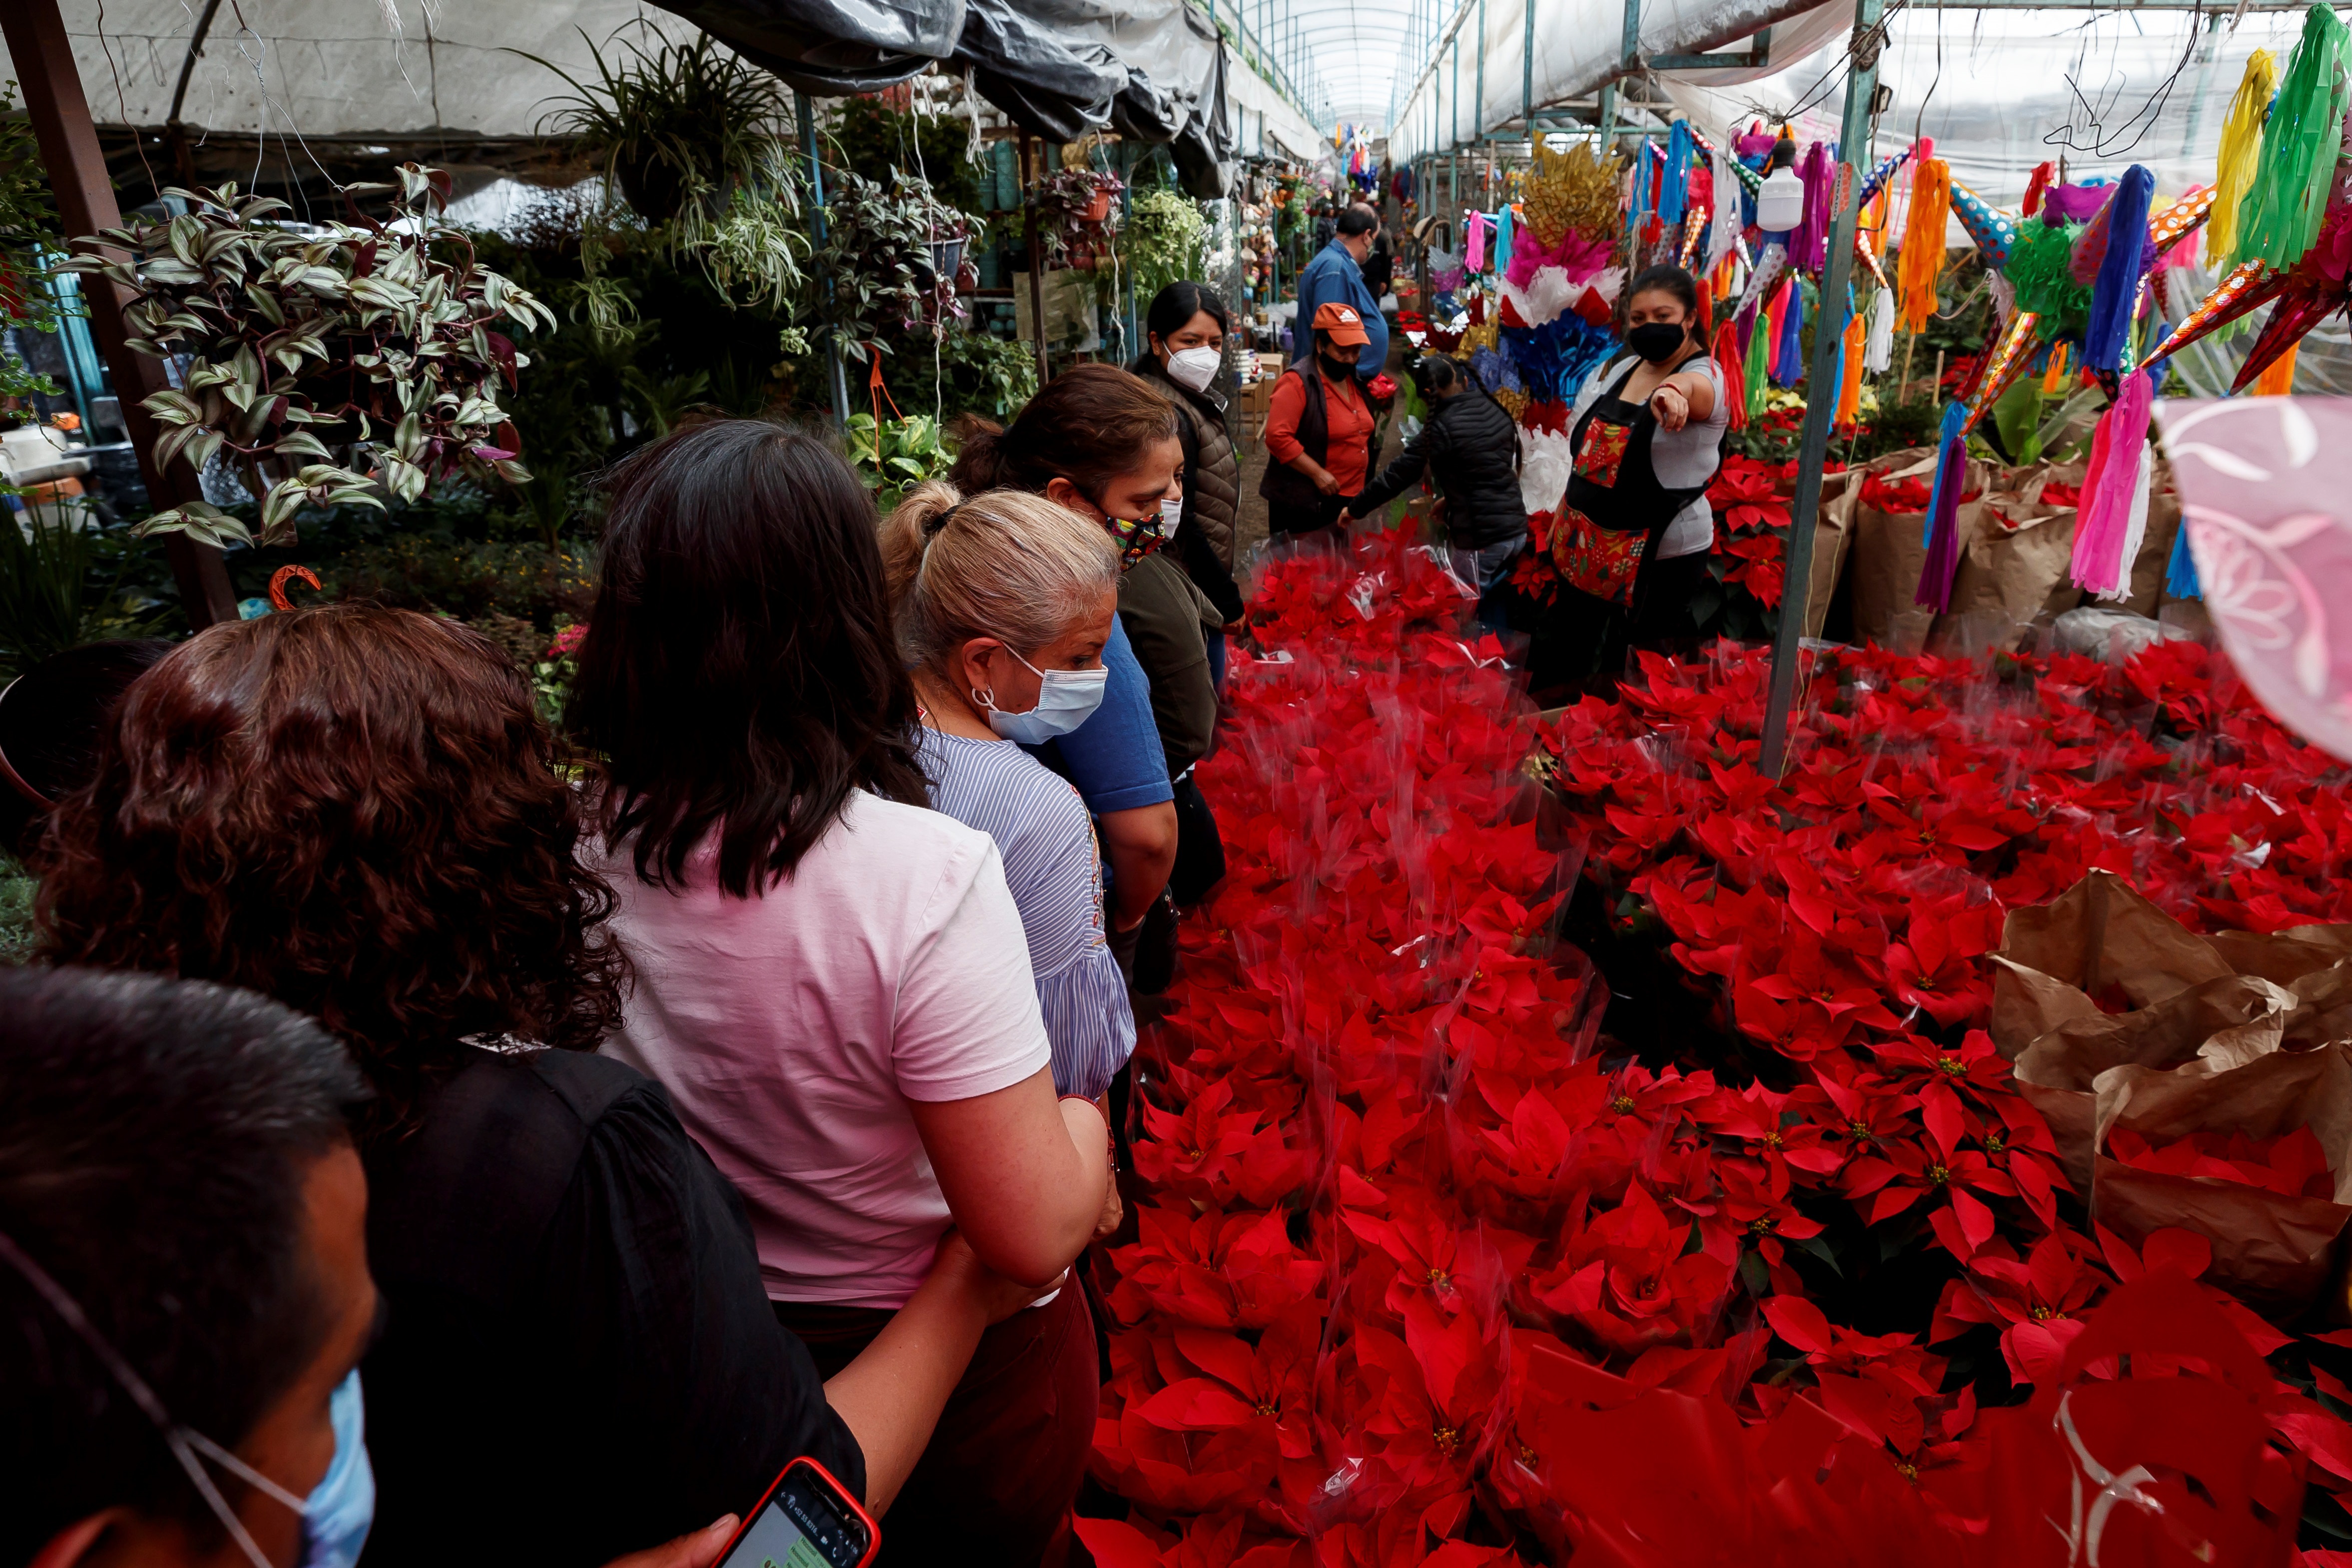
1003	603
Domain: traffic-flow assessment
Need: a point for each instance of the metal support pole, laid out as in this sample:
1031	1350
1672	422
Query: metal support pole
76	171
1821	397
1527	73
839	377
1036	264
1130	327
1478	79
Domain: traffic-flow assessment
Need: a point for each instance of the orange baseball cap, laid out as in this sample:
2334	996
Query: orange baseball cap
1346	327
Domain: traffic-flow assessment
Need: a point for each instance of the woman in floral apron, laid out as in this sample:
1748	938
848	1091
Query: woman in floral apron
1634	528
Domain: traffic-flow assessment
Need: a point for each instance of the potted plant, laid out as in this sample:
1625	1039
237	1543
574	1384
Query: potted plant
330	365
893	260
1070	211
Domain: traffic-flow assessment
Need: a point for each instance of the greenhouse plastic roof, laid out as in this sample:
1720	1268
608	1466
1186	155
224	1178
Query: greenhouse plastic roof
355	70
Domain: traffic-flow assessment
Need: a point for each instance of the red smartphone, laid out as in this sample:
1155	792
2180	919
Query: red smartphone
808	1520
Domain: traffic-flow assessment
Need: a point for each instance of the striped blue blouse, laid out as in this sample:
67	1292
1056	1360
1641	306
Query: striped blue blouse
1054	870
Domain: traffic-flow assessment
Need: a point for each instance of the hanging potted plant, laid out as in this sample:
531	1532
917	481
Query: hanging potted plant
338	365
1070	211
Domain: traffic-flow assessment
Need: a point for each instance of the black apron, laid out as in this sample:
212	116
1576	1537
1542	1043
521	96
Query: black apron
1615	511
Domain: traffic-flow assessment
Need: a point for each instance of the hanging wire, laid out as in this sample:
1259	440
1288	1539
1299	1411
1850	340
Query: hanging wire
137	142
2142	119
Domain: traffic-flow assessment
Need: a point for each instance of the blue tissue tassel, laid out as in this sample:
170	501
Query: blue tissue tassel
2181	576
2116	287
1674	186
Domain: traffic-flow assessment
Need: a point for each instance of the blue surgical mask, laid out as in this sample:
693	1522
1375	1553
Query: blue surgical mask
1066	699
341	1508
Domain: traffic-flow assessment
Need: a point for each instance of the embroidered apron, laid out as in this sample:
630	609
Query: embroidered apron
1615	511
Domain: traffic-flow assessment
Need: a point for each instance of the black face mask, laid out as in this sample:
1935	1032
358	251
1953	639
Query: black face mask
1657	341
1339	369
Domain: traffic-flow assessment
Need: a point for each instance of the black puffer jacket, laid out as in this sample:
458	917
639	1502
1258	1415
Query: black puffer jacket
1471	447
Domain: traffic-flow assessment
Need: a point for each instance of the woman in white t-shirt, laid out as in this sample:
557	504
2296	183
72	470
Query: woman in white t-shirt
1635	528
830	979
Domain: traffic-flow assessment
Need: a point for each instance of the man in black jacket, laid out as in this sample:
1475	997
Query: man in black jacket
1472	448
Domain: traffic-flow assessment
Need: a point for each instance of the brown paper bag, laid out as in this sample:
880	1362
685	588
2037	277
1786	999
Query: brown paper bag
2276	1253
2100	940
2210	1028
1832	538
1888	551
2285	956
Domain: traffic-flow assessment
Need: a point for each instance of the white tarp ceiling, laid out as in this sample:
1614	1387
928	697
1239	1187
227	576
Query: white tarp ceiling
2000	90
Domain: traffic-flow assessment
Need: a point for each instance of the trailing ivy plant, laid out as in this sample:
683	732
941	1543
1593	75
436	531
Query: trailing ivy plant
898	456
881	276
1167	239
1071	207
324	364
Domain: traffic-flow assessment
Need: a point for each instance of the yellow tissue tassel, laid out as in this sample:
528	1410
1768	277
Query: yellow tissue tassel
1922	262
2242	146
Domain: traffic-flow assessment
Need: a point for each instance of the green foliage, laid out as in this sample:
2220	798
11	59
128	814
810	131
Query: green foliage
28	222
377	338
908	452
1167	241
471	580
1062	209
696	140
977	373
872	139
61	586
17	936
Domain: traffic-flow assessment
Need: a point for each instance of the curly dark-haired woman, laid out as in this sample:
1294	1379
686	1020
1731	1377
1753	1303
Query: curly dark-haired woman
355	811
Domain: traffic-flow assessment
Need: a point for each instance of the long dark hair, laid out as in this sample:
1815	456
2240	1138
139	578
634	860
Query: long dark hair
738	672
1088	425
353	810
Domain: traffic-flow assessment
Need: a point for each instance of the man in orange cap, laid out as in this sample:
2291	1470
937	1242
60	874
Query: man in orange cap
1318	428
1335	276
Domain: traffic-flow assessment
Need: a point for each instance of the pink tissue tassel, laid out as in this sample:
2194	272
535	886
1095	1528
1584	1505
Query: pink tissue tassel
2115	493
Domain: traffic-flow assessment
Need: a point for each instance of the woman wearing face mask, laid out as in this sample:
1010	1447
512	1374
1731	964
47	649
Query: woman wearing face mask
1319	430
1003	603
1635	526
1103	443
1187	361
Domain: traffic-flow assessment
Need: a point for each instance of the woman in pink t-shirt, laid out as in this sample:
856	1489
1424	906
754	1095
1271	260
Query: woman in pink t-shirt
830	979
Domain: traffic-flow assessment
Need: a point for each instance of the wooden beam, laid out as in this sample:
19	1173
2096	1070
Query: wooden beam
68	143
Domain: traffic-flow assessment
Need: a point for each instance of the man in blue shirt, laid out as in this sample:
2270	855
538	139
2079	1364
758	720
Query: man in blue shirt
1335	275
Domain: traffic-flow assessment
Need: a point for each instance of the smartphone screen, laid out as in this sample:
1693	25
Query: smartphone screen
801	1527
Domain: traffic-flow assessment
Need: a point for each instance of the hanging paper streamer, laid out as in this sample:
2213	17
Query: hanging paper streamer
2115	292
1943	540
1752	373
1474	259
1879	356
2043	172
1674	184
1693	227
1809	246
2277	379
1851	354
1990	229
2003	368
1875	181
2279	215
1723	237
1922	262
2241	147
1502	239
1734	374
2111	485
2090	250
1640	201
1790	368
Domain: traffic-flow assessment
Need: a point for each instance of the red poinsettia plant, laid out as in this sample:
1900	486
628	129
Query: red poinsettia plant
1449	1248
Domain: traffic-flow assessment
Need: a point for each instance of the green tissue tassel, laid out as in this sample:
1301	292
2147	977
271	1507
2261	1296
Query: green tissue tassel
2301	143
